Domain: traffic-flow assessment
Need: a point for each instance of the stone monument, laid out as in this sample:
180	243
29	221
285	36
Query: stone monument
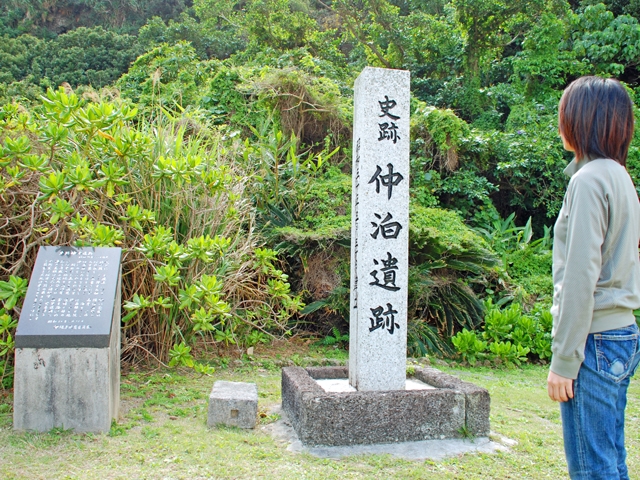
67	364
379	231
377	404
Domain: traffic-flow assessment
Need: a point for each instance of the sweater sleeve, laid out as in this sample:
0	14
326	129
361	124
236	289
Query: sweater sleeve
587	220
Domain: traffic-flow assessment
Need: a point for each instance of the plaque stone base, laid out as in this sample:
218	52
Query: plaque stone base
450	410
67	363
71	388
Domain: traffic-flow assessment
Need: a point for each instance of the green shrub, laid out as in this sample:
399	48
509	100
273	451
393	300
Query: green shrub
223	100
308	105
468	345
84	56
498	324
442	132
531	270
12	292
446	259
168	76
440	239
527	261
88	174
322	211
87	56
511	336
218	41
17	56
508	354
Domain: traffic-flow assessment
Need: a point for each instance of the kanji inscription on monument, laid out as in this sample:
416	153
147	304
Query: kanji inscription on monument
379	231
71	298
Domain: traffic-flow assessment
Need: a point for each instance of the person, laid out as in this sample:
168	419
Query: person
596	277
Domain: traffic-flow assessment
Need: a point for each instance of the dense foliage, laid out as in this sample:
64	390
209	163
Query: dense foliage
211	139
83	173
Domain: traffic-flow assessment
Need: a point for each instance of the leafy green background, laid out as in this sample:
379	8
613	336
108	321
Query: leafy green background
212	141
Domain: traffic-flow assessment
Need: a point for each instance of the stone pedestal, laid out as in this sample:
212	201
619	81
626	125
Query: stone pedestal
71	388
452	409
67	364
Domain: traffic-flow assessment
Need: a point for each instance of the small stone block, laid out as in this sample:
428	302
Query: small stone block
234	404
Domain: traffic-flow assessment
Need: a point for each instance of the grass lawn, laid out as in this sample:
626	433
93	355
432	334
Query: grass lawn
162	433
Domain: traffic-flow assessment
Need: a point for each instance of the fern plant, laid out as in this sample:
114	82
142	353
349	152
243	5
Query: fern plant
335	338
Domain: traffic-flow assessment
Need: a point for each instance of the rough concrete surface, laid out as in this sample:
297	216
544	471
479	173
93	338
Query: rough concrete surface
477	400
71	388
323	418
283	431
234	404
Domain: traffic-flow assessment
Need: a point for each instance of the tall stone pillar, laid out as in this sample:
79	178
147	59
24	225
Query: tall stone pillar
379	231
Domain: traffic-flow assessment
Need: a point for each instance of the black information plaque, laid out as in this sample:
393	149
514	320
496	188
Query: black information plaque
71	298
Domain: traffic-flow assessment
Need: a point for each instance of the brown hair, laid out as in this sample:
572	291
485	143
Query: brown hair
595	117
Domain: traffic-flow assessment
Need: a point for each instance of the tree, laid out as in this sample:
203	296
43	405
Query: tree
490	25
88	56
374	24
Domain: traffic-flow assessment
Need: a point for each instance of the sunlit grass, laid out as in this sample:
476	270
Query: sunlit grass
162	433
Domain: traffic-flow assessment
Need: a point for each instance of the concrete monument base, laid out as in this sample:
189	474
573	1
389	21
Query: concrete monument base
70	388
67	358
453	409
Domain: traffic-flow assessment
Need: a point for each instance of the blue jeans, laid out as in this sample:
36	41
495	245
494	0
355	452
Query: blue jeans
593	420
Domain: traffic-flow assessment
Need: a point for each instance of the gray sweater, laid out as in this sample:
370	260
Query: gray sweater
596	272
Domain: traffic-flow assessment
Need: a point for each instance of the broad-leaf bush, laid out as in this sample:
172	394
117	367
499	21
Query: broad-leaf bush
96	174
508	337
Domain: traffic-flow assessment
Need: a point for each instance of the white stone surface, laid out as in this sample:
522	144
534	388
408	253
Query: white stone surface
341	385
379	231
335	385
413	384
